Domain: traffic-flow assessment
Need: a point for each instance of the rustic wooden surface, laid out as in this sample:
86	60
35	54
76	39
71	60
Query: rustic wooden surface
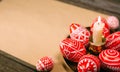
111	7
8	63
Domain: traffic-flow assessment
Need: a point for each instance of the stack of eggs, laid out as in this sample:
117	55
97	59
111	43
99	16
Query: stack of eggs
75	49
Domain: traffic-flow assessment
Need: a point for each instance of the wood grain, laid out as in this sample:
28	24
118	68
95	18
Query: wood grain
111	7
9	63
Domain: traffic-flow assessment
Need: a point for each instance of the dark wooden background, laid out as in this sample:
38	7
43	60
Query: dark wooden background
9	63
110	7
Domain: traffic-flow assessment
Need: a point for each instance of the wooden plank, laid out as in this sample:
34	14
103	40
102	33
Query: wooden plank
110	7
9	63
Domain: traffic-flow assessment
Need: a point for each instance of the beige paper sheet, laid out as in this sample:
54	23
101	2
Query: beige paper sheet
31	29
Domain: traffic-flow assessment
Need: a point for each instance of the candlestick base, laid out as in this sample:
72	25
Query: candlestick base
94	49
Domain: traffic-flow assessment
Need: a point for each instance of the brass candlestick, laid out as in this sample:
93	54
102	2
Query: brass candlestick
96	49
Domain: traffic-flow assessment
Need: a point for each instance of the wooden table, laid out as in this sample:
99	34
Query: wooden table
31	29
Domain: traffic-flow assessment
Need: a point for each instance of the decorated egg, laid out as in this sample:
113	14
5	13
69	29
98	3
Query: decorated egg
88	63
110	59
106	30
113	22
113	41
79	33
45	64
72	50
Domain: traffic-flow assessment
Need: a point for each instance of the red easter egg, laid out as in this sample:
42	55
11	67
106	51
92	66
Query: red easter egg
72	50
79	33
45	64
110	59
88	63
113	22
113	41
106	30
